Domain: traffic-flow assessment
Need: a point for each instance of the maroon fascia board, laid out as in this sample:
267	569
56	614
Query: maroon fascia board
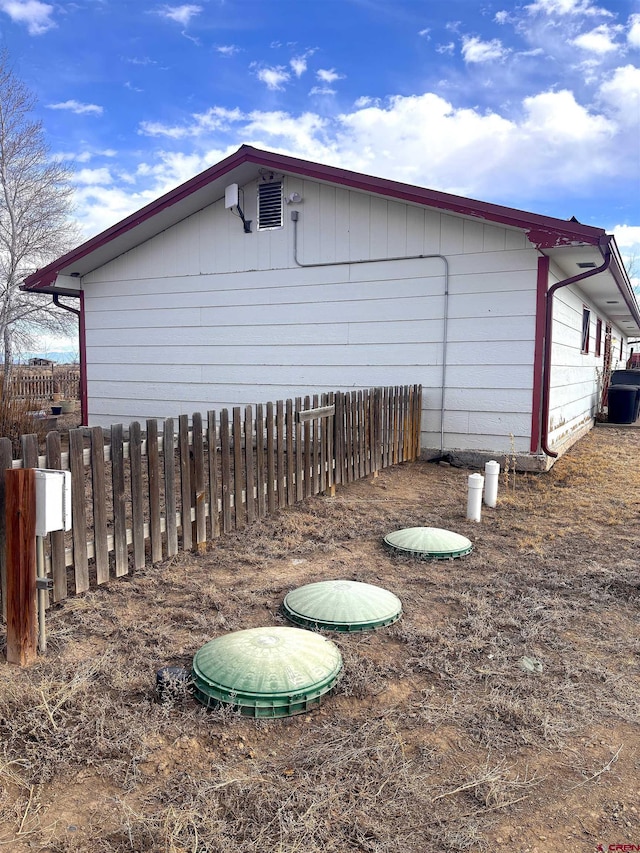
545	232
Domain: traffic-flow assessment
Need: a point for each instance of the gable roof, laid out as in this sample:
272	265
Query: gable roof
240	167
544	232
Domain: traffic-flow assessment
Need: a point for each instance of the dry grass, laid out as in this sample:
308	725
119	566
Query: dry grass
17	418
435	739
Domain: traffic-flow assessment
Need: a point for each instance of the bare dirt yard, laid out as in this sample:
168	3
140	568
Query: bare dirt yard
436	739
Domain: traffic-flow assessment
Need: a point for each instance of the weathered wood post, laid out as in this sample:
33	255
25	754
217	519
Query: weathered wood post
20	514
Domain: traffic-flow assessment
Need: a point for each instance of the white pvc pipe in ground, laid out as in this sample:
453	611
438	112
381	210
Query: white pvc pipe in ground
474	497
491	475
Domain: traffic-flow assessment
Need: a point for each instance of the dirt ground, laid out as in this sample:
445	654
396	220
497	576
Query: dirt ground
436	739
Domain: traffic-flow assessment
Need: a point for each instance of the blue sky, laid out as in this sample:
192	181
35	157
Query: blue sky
533	105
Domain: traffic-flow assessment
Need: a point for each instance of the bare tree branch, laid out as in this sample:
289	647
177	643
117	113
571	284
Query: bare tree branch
35	216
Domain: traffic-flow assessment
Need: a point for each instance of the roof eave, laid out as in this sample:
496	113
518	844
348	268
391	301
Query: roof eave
542	231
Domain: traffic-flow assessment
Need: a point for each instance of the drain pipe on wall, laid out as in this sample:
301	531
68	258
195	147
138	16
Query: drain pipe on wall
81	340
605	248
445	320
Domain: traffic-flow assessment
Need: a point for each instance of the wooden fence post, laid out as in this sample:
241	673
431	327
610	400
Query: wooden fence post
5	462
20	515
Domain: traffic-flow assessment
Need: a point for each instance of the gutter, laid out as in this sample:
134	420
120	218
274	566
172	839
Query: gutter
445	318
605	247
82	342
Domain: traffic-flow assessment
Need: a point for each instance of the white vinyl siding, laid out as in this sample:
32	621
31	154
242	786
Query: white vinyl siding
204	316
575	374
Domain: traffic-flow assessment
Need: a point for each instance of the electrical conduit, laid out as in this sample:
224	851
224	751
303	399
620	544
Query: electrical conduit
445	314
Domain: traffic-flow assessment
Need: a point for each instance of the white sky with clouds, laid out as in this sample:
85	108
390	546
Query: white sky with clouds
533	105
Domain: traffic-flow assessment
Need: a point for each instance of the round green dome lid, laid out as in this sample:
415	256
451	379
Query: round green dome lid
266	672
342	605
430	543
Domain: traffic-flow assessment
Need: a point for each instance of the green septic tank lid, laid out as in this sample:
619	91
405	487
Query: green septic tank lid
431	543
266	672
342	605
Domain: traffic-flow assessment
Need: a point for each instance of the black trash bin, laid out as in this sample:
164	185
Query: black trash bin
623	403
628	377
625	377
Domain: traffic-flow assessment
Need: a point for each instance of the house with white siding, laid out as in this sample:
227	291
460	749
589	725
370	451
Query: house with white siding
268	277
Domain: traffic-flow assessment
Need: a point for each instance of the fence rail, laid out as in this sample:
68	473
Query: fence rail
43	385
140	498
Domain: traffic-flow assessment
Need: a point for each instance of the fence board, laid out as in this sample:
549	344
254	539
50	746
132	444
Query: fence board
281	487
397	425
290	459
225	453
239	479
185	482
298	452
29	451
260	481
212	444
308	425
315	448
170	498
355	437
137	493
338	438
99	498
119	511
249	464
330	447
271	461
58	566
78	510
153	469
198	481
322	442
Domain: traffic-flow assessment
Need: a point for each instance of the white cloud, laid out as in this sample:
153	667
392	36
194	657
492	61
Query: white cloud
366	101
83	156
501	17
567	7
425	32
180	14
600	40
92	176
299	65
227	50
135	60
328	75
77	108
476	50
34	14
633	36
273	77
628	238
216	119
620	95
446	48
553	144
322	90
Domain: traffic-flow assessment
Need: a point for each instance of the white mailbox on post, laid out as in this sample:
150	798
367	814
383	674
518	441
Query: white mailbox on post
53	500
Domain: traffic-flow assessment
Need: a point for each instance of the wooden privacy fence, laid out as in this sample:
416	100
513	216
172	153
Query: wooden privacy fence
43	385
140	498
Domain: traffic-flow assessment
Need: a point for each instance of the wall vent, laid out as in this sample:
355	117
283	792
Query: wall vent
270	205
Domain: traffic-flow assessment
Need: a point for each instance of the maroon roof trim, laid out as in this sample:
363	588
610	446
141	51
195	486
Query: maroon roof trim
543	231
